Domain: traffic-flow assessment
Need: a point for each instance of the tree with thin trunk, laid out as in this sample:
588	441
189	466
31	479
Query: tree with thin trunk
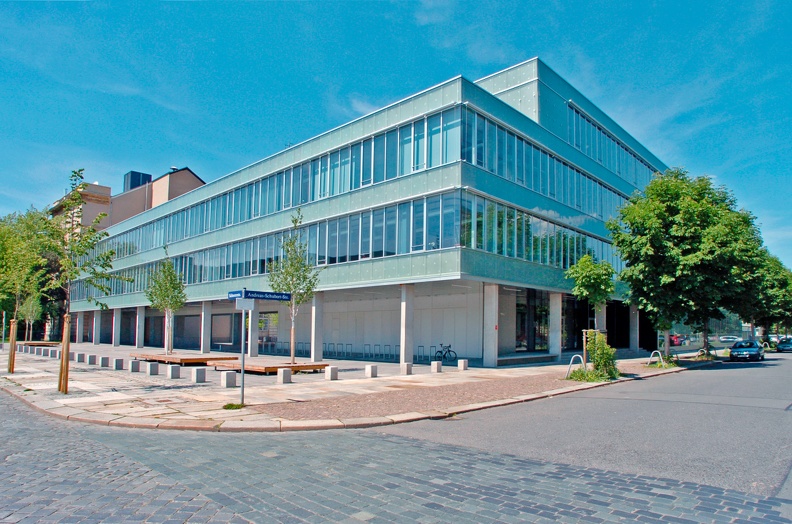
166	293
30	312
294	274
73	248
593	282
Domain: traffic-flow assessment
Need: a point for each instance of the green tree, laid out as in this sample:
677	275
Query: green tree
688	251
769	300
72	248
294	274
593	282
30	312
166	293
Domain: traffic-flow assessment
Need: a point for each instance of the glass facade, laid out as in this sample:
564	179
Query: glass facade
598	144
447	220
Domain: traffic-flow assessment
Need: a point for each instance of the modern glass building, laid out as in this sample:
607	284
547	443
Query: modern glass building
447	217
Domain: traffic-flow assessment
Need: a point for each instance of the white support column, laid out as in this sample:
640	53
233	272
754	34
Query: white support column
554	324
206	327
97	326
116	327
406	323
253	330
634	332
140	326
317	319
491	325
80	322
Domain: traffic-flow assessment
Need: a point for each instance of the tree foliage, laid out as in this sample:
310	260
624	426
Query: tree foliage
166	293
30	312
22	266
593	281
688	251
294	274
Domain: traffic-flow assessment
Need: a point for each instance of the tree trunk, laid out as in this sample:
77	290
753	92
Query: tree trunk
168	332
63	384
705	333
293	342
667	342
12	345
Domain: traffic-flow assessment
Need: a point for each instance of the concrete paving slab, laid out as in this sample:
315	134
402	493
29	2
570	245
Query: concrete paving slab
192	425
250	425
303	425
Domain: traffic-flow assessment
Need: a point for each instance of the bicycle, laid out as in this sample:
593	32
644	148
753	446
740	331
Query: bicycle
445	353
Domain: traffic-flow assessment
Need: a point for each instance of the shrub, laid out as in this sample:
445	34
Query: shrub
587	375
603	357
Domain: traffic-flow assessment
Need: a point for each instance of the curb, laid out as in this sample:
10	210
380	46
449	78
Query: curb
283	425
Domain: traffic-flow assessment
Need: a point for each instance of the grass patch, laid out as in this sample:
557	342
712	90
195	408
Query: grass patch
233	406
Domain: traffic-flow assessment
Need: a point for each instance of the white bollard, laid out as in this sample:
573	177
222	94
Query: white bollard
284	376
152	368
371	370
228	379
92	359
331	373
104	362
199	375
406	368
118	363
437	366
80	357
174	371
134	366
462	364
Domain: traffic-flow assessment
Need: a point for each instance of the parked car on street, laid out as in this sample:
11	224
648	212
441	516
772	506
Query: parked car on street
729	339
784	344
746	349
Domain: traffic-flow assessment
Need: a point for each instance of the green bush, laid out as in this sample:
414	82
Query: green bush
587	375
603	357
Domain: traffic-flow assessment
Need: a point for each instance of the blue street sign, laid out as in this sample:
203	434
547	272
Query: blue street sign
259	295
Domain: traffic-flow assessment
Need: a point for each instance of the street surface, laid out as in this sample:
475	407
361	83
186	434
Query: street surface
710	445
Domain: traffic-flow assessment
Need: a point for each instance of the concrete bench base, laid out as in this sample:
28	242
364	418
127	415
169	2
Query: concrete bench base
174	371
152	368
371	371
462	364
437	367
199	375
284	376
331	373
228	379
134	366
406	368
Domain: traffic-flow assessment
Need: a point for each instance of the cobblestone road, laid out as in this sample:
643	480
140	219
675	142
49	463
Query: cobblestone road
65	472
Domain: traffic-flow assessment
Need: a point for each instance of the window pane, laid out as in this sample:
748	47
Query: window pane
466	220
434	154
332	241
450	220
520	235
481	140
354	237
344	178
305	183
418	225
390	230
419	139
343	239
392	154
312	237
480	223
355	167
500	232
366	168
501	168
492	146
405	149
377	228
468	137
365	235
403	245
335	173
511	227
323	176
520	157
322	248
510	154
451	135
379	158
315	184
433	222
491	227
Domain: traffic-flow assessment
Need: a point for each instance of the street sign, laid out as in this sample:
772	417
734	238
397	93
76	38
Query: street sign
245	304
259	295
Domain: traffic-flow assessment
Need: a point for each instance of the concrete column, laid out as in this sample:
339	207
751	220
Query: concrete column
116	327
491	325
97	326
206	327
317	318
634	333
554	324
140	326
406	325
80	322
253	330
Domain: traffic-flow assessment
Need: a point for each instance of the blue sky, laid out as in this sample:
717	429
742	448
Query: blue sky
216	86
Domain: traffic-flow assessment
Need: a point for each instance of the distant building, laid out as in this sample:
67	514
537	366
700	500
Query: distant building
447	217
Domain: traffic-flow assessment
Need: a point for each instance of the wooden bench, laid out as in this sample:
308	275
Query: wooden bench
267	369
180	358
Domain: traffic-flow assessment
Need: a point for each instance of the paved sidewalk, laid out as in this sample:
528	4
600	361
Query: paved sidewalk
105	396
